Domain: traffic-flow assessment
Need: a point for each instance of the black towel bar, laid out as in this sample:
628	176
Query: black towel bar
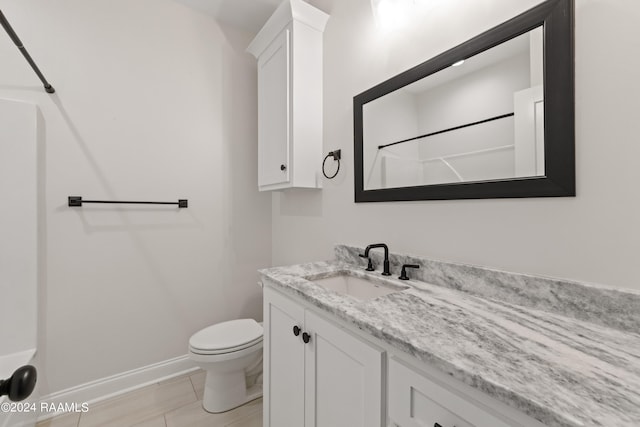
75	201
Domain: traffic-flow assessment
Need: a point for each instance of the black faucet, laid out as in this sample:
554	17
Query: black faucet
369	264
385	270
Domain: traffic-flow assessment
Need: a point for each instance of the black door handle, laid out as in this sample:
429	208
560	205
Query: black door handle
296	330
283	167
306	337
20	385
437	425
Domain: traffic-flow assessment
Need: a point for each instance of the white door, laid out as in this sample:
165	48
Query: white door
343	378
273	112
283	362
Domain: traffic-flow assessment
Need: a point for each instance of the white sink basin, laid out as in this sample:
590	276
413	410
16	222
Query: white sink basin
357	287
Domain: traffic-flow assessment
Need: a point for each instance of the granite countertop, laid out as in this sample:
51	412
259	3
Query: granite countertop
562	371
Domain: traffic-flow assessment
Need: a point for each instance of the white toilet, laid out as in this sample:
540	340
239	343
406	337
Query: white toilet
231	354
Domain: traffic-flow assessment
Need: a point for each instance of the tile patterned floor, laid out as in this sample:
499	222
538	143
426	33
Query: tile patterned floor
173	403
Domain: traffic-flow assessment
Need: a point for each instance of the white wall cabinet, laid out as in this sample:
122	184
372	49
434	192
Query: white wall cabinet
334	379
289	53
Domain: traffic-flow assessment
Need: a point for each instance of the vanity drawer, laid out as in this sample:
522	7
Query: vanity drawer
417	401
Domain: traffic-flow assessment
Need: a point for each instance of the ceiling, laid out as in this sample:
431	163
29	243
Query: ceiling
250	15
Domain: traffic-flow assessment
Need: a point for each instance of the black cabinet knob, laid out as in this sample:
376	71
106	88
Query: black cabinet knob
20	385
306	337
437	425
283	167
296	330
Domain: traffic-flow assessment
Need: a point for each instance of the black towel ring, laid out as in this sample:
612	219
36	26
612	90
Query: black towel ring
336	156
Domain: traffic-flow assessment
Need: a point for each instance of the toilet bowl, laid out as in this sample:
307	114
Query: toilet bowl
231	354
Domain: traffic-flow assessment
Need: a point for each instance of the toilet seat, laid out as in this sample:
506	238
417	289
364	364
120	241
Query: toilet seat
256	343
227	337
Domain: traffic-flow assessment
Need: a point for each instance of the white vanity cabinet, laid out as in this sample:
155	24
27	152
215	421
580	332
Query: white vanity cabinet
415	400
289	53
332	380
322	372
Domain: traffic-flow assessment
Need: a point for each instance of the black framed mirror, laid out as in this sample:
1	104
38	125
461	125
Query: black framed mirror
490	118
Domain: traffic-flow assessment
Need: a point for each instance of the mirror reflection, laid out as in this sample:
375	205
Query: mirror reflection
480	120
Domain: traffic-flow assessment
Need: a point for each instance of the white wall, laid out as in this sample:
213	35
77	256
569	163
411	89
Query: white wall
593	237
154	102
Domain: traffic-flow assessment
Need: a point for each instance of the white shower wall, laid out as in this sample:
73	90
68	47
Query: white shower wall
18	227
18	243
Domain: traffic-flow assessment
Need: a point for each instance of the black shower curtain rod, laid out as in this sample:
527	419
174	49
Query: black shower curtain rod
16	40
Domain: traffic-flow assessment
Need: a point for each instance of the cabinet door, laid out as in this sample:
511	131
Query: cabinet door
343	378
273	112
283	362
416	401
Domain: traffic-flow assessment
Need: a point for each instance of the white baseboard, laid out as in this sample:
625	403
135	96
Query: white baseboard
115	385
